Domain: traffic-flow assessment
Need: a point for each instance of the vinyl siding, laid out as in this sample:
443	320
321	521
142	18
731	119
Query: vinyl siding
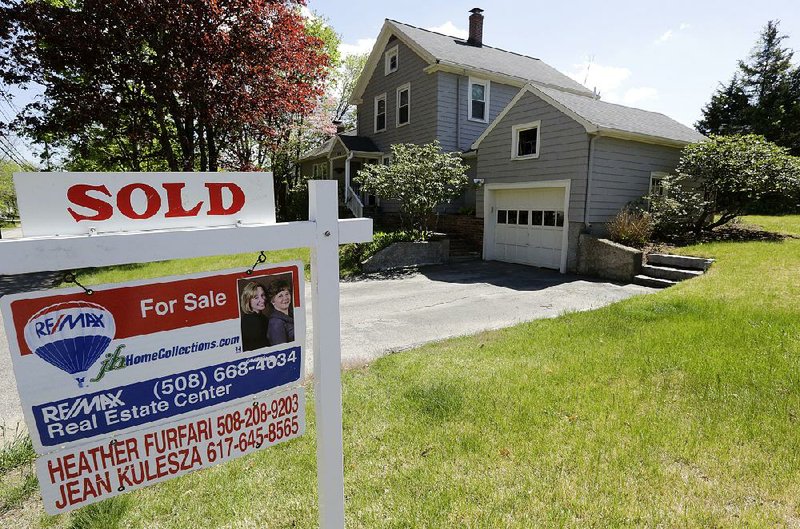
422	126
563	147
621	173
453	92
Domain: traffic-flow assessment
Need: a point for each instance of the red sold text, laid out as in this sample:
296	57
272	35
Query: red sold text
142	201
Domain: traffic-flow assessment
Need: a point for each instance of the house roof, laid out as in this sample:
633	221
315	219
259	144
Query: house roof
350	141
608	119
444	52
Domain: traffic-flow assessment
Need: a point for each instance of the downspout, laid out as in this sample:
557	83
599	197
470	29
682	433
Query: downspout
347	176
589	171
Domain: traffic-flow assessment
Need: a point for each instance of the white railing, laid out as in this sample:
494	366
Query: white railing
354	203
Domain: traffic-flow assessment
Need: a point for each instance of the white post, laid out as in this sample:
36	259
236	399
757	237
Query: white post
323	211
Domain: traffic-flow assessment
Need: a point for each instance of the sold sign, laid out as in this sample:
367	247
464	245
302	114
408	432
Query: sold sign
82	203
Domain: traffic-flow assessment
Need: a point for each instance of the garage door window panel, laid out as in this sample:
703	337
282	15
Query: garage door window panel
549	218
523	217
536	217
502	216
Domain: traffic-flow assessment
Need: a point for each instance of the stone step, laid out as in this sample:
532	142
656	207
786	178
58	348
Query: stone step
463	258
679	261
668	272
654	282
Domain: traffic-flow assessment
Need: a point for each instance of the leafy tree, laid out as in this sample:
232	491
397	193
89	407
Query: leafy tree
763	97
8	197
420	177
344	80
718	179
137	83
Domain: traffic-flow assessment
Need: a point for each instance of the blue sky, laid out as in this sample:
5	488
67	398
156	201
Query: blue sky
663	56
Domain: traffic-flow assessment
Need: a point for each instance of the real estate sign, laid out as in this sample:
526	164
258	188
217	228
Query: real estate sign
132	355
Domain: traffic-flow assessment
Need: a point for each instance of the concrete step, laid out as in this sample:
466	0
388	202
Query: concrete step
463	258
654	282
668	272
679	261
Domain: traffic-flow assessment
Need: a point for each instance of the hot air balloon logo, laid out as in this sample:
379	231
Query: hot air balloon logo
70	335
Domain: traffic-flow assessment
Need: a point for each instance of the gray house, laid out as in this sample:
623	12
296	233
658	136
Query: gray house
550	159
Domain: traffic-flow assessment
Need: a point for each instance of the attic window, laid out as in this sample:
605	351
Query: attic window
391	60
525	140
478	100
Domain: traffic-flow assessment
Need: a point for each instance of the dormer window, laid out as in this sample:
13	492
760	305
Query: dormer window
525	140
478	100
391	60
380	113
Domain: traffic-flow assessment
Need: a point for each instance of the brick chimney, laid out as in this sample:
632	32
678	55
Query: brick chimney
475	28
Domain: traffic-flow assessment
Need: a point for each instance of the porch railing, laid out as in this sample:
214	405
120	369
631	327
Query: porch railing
354	203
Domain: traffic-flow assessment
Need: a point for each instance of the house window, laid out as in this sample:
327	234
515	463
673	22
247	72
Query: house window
478	100
404	105
391	61
320	171
657	184
525	140
380	113
386	160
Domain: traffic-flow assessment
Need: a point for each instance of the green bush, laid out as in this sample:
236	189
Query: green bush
631	227
352	255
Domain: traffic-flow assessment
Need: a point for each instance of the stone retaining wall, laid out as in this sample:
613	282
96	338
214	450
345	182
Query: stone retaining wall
607	259
405	254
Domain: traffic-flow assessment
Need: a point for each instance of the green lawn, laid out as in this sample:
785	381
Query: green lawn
677	409
782	224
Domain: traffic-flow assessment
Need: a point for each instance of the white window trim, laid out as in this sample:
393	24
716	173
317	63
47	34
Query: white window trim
375	113
391	52
320	170
400	88
516	129
487	85
655	175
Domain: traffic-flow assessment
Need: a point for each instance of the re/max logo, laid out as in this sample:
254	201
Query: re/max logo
82	406
84	319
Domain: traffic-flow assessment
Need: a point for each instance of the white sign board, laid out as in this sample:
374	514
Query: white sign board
96	471
82	203
129	355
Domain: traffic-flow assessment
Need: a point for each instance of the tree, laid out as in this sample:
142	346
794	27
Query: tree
130	83
718	179
763	97
420	177
344	80
8	197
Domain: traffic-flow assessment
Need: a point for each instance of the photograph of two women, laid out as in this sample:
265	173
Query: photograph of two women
266	311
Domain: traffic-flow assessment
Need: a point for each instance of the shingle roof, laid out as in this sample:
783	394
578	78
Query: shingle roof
350	140
612	117
457	52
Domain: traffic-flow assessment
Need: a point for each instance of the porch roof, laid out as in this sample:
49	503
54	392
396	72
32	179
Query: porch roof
349	140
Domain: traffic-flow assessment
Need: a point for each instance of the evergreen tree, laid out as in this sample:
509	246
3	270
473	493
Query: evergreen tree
763	97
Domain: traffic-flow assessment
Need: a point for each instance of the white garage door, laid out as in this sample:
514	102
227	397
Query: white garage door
529	226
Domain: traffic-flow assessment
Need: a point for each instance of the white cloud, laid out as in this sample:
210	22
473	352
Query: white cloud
639	95
684	26
664	37
448	28
306	12
361	46
605	79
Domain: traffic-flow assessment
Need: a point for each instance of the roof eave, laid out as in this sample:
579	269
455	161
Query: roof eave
642	138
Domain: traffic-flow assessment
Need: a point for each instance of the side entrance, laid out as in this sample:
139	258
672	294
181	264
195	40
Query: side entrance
526	222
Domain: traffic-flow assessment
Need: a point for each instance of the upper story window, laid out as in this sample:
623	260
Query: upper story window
380	113
478	100
525	140
404	105
391	60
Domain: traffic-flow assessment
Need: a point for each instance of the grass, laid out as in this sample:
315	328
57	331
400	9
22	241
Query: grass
782	224
17	479
677	409
130	272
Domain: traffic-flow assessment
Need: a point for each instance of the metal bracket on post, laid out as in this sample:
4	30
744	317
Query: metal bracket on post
323	212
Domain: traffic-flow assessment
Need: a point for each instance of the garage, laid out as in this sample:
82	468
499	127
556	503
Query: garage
526	225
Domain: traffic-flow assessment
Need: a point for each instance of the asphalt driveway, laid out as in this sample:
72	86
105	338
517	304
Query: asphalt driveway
383	314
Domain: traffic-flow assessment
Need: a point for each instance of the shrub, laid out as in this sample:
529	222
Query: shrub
352	255
631	227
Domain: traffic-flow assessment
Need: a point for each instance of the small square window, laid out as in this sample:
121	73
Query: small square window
549	218
523	218
536	218
501	216
526	143
512	216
